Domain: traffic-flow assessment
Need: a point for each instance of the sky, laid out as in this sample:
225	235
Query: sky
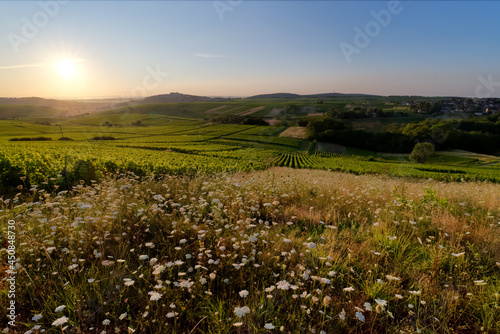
83	49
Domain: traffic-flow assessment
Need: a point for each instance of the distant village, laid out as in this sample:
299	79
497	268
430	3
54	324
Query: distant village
479	107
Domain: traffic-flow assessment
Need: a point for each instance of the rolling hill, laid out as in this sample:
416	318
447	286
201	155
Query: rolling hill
62	107
16	111
298	96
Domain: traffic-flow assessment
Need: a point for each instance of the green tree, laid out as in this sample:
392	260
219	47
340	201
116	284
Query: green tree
421	152
316	127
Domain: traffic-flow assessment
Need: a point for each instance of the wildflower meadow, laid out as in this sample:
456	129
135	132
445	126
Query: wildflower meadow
274	251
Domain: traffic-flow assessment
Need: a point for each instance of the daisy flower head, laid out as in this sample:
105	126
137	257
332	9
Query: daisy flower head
154	295
241	311
60	308
59	322
269	326
283	285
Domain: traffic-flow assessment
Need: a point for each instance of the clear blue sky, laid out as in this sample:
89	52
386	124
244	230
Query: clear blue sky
428	48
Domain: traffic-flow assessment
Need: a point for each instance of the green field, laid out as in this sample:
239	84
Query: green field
171	144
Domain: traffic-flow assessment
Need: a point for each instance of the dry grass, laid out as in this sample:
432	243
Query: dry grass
294	132
315	251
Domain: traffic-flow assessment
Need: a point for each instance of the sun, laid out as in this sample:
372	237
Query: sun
67	68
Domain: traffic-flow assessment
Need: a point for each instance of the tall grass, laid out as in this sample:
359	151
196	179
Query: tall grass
305	251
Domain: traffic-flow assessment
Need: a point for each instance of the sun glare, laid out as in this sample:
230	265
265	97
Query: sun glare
67	68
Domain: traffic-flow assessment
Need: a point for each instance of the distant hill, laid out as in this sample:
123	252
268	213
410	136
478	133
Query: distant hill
174	98
276	96
29	101
16	111
58	107
297	96
324	95
180	98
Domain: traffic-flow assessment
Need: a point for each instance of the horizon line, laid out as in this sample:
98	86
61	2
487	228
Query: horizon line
232	96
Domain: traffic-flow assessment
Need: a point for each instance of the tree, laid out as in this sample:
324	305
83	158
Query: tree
316	127
421	152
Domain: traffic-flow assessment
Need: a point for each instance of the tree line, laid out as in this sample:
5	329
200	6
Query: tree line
476	135
362	112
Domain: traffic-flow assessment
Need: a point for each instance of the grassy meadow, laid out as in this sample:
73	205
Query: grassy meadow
279	250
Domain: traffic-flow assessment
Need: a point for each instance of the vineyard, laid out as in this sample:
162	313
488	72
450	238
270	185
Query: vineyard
350	164
297	160
186	147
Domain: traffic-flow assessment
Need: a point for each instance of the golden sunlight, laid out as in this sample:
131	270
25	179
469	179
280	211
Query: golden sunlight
67	68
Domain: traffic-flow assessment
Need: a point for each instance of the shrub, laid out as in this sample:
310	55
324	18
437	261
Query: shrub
111	167
82	170
316	127
421	152
9	175
31	139
228	119
254	121
103	138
